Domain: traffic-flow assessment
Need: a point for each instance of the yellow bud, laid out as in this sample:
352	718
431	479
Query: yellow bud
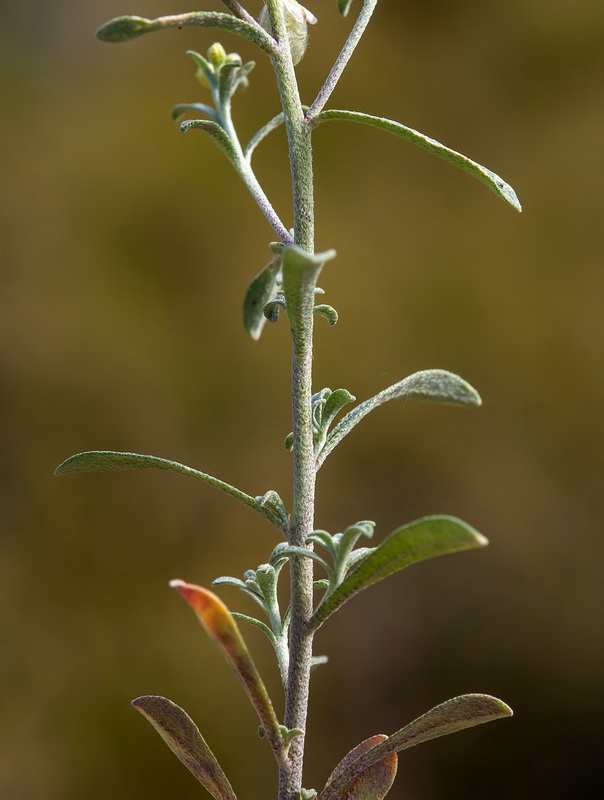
217	55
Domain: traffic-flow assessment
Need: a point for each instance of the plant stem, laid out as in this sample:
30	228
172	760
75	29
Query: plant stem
301	570
248	175
342	60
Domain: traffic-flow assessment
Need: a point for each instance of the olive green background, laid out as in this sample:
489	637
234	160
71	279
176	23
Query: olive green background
127	250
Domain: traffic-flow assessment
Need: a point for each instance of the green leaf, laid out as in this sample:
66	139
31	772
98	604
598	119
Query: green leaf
491	179
425	538
373	783
226	580
199	108
334	404
206	70
106	460
261	291
123	28
454	715
271	502
433	385
300	272
227	80
216	132
255	622
344	6
272	309
183	738
120	29
264	131
223	630
285	550
328	312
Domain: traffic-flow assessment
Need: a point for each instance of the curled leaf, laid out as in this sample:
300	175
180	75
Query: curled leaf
223	630
300	272
215	132
328	312
425	538
375	782
183	738
431	385
449	717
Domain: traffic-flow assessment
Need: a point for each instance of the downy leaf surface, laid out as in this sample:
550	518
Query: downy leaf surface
430	385
182	736
454	715
109	460
375	782
425	538
486	176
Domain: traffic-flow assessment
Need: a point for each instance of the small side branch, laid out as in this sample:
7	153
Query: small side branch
342	60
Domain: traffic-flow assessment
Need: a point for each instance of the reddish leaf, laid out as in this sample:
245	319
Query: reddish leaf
222	629
375	782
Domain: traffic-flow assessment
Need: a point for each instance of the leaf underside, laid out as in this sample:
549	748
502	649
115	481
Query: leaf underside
376	781
109	460
183	738
454	715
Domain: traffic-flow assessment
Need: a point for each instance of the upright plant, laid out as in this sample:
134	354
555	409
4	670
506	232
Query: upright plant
288	284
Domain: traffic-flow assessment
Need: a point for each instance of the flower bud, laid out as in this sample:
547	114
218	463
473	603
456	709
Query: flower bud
217	55
297	19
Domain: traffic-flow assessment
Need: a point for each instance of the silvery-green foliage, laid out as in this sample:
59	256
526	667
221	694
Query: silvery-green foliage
287	287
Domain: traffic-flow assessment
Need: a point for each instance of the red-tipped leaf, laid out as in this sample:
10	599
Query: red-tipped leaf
223	630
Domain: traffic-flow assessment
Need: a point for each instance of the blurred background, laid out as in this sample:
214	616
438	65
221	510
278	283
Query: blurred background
127	250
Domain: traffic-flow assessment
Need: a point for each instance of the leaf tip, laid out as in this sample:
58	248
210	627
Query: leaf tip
120	29
481	541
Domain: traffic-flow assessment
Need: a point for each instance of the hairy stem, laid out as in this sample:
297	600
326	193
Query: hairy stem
246	172
301	320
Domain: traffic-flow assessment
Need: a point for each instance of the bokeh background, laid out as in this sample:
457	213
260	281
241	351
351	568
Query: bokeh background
126	253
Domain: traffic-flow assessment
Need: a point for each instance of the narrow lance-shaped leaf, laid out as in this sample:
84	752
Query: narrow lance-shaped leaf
454	715
182	736
486	176
432	385
376	781
121	29
223	630
425	538
106	460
